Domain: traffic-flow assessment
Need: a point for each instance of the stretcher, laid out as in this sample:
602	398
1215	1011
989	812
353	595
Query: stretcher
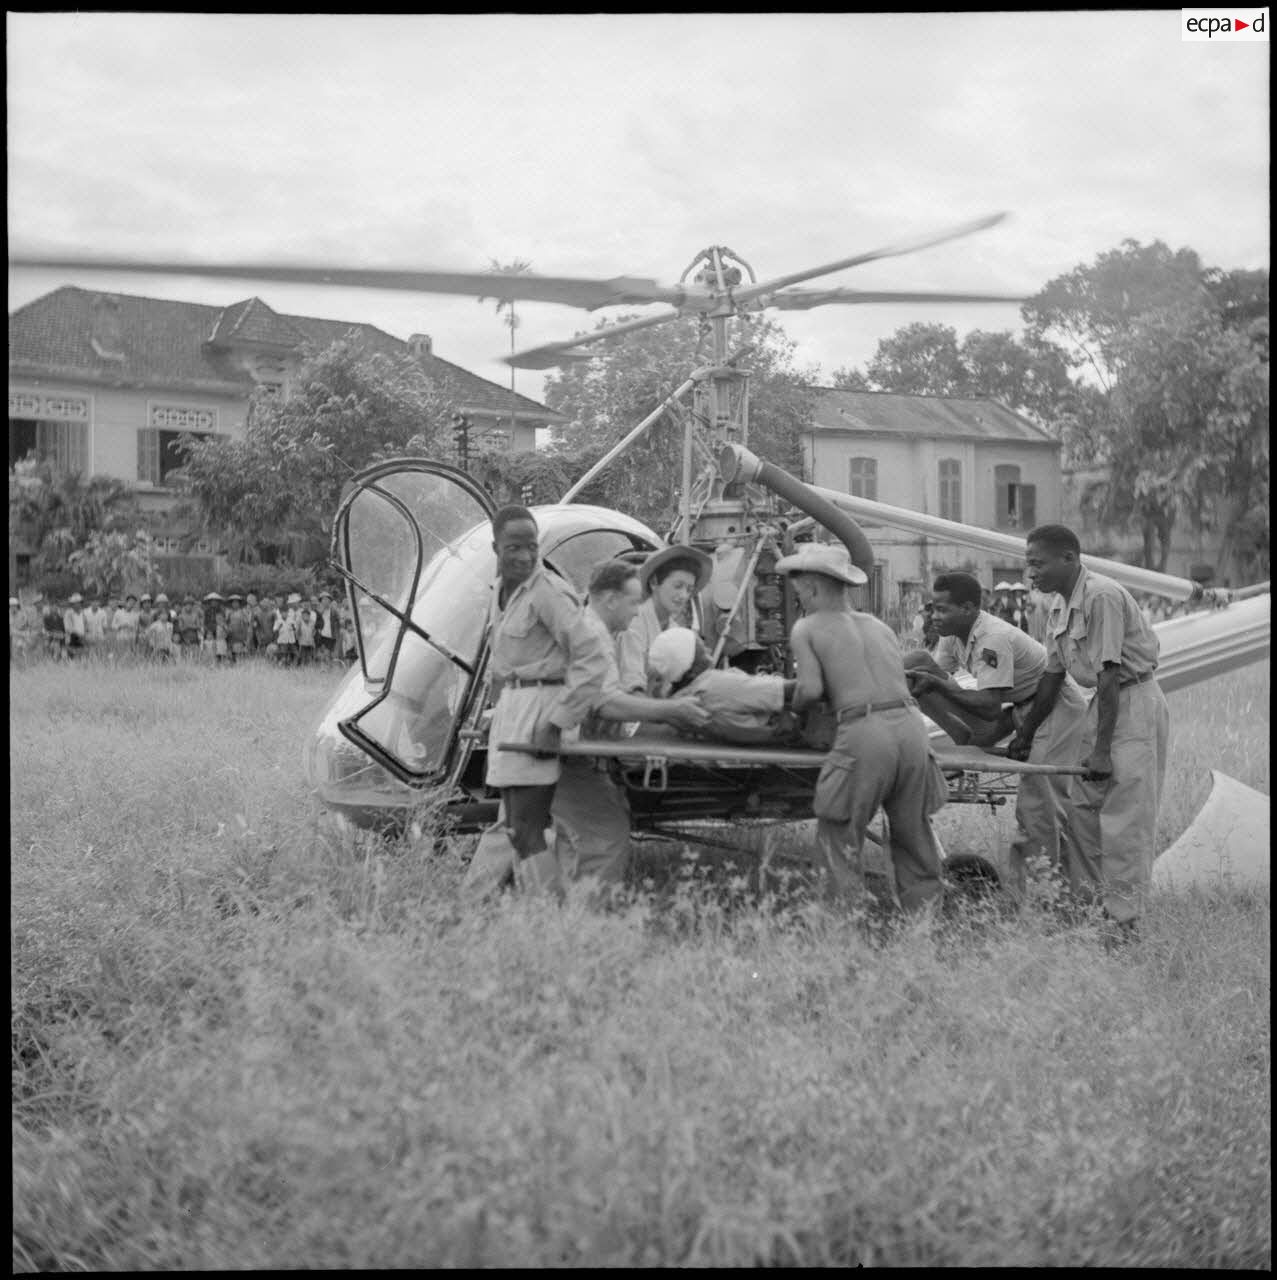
696	778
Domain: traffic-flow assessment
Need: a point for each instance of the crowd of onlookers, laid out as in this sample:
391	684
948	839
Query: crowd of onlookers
290	630
296	631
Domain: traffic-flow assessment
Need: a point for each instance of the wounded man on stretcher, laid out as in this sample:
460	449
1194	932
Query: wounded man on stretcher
744	709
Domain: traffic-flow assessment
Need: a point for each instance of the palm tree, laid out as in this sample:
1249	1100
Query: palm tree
516	268
57	511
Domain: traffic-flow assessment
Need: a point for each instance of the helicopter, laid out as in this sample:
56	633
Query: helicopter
412	541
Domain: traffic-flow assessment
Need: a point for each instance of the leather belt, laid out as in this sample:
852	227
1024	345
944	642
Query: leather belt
516	683
1126	684
865	708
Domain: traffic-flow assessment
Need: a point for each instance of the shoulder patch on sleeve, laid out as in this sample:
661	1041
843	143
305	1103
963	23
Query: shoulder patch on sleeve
989	656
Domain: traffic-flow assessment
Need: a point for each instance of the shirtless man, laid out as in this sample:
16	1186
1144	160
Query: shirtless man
881	755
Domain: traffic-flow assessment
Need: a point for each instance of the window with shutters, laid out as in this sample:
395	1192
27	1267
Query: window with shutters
950	489
1016	502
863	478
160	452
63	445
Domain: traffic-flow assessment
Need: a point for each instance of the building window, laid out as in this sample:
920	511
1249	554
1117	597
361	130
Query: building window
951	489
161	452
64	445
863	478
1016	502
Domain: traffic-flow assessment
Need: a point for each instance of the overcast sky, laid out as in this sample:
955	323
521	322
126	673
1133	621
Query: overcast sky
622	145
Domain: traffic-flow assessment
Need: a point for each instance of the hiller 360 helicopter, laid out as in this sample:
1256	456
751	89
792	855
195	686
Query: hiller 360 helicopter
412	539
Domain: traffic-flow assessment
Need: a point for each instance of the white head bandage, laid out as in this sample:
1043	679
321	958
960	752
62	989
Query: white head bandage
672	653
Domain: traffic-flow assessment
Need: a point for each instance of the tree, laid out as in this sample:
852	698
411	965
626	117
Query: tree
919	360
116	562
1172	364
1189	434
1090	309
275	491
59	511
516	268
529	477
850	379
606	397
1031	377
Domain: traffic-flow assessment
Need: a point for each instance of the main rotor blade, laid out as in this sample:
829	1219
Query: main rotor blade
803	299
892	251
556	353
568	290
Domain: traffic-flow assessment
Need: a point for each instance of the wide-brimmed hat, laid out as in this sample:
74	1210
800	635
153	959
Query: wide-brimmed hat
1018	586
820	557
234	595
294	599
212	595
671	654
161	598
702	562
325	595
76	598
1003	586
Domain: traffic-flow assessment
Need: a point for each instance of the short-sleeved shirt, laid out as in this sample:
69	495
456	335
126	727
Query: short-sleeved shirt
1099	622
998	654
543	634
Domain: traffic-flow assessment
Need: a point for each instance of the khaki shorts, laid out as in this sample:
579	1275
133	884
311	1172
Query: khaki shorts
516	715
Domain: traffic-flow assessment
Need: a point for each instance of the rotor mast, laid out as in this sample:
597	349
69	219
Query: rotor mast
720	400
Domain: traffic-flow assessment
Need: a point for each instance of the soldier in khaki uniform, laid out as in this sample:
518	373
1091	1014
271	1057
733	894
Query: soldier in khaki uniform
548	665
1008	665
1097	634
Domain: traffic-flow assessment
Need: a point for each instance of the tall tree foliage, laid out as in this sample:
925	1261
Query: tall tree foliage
606	397
276	490
1171	391
1029	376
517	267
59	512
1142	362
1087	312
1188	435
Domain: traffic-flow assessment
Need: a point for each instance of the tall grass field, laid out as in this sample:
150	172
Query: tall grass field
244	1038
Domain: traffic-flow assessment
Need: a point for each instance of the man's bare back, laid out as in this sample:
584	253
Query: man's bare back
853	656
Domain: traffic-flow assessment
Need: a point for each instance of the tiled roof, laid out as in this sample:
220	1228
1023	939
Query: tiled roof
948	417
253	322
157	342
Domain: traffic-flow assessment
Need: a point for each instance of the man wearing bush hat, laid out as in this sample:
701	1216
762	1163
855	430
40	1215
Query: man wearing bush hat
881	756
